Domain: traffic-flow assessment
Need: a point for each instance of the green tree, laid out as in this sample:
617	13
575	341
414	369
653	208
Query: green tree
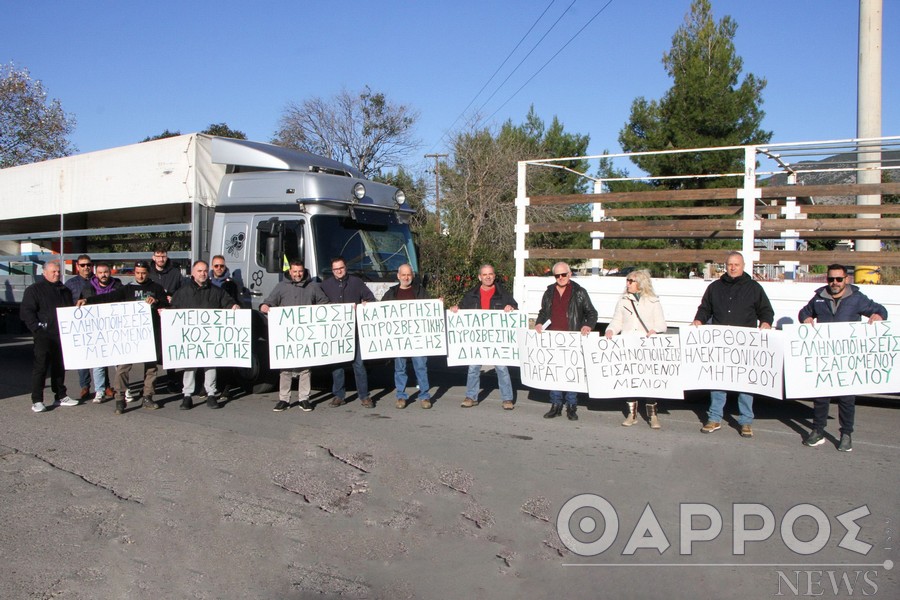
32	126
223	130
706	105
415	190
161	136
364	130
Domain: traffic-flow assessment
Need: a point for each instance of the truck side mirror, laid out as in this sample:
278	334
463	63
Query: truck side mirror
270	232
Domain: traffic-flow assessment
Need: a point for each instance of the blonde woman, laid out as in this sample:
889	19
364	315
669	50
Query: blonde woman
638	311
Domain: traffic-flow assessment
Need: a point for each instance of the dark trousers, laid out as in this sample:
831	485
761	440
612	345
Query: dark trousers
47	356
846	412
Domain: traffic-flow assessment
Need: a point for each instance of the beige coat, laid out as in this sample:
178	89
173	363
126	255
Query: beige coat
625	321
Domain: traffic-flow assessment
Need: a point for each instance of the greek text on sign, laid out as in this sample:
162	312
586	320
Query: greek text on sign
101	335
484	337
835	359
401	328
205	337
306	336
626	366
552	360
741	359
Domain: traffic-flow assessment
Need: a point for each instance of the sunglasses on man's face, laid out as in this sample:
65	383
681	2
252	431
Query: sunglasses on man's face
834	279
560	275
83	265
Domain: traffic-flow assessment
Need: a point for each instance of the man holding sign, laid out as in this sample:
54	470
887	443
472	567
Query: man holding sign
834	303
407	290
198	292
299	291
488	296
565	306
734	299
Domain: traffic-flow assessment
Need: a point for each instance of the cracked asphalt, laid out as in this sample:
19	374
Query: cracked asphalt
444	503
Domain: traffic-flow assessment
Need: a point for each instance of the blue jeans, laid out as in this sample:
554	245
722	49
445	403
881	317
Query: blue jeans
338	387
84	378
473	382
556	397
420	366
717	405
100	380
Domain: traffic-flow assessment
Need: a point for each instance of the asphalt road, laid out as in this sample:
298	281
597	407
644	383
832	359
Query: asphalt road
443	503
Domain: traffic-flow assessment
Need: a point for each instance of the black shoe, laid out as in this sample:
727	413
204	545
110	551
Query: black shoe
120	407
148	402
846	444
815	438
555	411
305	406
281	406
186	403
212	402
571	412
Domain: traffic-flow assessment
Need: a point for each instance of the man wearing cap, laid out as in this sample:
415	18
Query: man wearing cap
142	289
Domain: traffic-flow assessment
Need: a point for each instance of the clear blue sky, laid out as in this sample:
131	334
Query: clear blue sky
127	70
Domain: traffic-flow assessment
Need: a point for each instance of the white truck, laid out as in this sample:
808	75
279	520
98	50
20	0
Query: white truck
257	204
784	195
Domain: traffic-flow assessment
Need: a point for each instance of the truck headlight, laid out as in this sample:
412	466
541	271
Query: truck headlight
359	191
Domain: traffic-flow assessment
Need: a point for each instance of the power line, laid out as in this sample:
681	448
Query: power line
549	60
494	74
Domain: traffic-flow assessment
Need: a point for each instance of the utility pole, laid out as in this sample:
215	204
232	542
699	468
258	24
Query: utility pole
437	188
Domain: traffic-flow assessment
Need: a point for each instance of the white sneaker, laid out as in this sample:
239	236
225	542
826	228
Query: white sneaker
129	397
67	402
38	407
98	398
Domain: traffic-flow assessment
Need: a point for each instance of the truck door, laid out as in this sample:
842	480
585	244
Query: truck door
278	242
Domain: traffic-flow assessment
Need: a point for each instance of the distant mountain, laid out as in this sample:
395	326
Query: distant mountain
838	161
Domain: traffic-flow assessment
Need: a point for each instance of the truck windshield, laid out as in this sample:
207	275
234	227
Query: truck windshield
374	252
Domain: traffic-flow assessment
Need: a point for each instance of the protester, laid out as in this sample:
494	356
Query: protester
300	290
38	312
84	271
489	295
734	299
640	312
343	288
165	272
565	306
142	289
834	303
220	277
100	284
198	292
407	290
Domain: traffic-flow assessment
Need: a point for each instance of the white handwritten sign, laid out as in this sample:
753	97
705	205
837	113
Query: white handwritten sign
399	328
836	359
718	357
101	335
205	337
484	337
306	336
628	365
552	360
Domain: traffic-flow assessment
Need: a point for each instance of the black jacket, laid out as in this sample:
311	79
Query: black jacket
853	305
170	277
192	295
500	300
350	289
739	301
581	311
419	293
39	304
229	284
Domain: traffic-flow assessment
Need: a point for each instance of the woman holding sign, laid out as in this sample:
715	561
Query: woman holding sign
640	312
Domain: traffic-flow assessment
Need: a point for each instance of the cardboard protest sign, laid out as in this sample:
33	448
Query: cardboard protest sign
627	366
205	337
306	336
484	337
101	335
741	359
399	328
838	359
552	360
